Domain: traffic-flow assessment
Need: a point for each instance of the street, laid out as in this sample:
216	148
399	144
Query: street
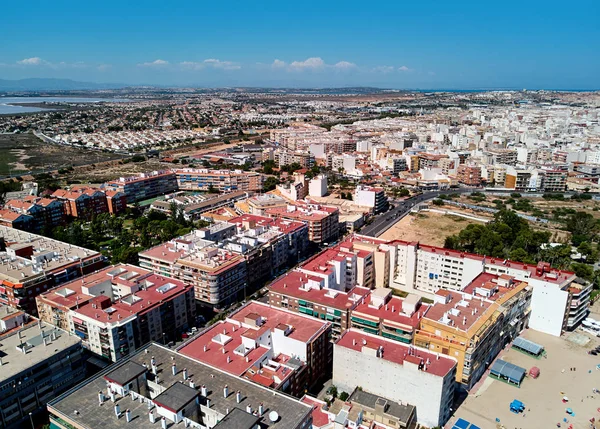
384	221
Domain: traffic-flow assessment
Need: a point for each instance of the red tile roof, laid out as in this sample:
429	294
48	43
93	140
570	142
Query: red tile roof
396	352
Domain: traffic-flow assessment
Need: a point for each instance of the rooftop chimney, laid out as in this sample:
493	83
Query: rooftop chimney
128	415
163	423
249	409
117	410
204	391
151	417
261	409
185	374
174	368
238	396
226	391
192	384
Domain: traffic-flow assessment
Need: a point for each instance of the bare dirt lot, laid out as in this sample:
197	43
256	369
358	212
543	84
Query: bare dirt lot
427	227
22	153
542	396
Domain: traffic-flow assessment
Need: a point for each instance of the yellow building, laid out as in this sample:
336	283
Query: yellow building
473	326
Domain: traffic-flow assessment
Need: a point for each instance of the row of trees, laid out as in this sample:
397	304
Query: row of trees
120	238
510	237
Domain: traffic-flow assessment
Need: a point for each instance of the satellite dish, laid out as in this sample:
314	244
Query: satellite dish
273	416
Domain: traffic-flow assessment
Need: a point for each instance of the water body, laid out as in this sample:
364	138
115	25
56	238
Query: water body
6	106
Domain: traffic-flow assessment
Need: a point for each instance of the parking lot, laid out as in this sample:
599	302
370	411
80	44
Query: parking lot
542	396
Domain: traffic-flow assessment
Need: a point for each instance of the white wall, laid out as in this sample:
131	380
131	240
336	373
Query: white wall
548	305
392	381
288	346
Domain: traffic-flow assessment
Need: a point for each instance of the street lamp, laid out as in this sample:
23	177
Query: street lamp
31	420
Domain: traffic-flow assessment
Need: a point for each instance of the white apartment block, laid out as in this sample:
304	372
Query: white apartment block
397	371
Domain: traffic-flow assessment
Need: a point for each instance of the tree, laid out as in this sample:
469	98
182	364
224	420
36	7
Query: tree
521	255
582	226
344	396
212	189
333	391
584	271
438	202
270	183
588	251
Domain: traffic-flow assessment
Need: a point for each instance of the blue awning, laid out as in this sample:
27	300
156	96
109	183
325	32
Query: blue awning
509	371
528	346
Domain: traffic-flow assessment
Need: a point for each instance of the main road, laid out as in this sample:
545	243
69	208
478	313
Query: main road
384	221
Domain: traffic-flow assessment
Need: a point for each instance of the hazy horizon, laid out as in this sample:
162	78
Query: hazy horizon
427	45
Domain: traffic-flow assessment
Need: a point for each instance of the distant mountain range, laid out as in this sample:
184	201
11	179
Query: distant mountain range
49	84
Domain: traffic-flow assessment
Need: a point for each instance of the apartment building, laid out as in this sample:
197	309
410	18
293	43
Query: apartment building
286	240
82	203
473	326
16	220
578	303
427	161
469	175
298	292
259	204
116	201
553	180
46	212
39	362
119	308
429	269
274	347
397	371
185	392
219	276
389	316
371	197
501	156
191	179
194	206
229	260
145	185
287	157
323	221
31	264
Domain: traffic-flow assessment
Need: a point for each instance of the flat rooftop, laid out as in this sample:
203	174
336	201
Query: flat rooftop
14	361
391	311
43	255
396	352
224	340
461	311
292	284
402	412
84	398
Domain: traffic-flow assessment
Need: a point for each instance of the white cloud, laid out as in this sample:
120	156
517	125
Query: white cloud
384	69
403	68
278	64
104	67
344	65
33	61
191	65
309	63
225	65
155	63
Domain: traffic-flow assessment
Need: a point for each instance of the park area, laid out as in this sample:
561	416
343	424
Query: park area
566	372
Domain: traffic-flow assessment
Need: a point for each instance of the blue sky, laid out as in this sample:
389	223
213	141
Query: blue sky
398	44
